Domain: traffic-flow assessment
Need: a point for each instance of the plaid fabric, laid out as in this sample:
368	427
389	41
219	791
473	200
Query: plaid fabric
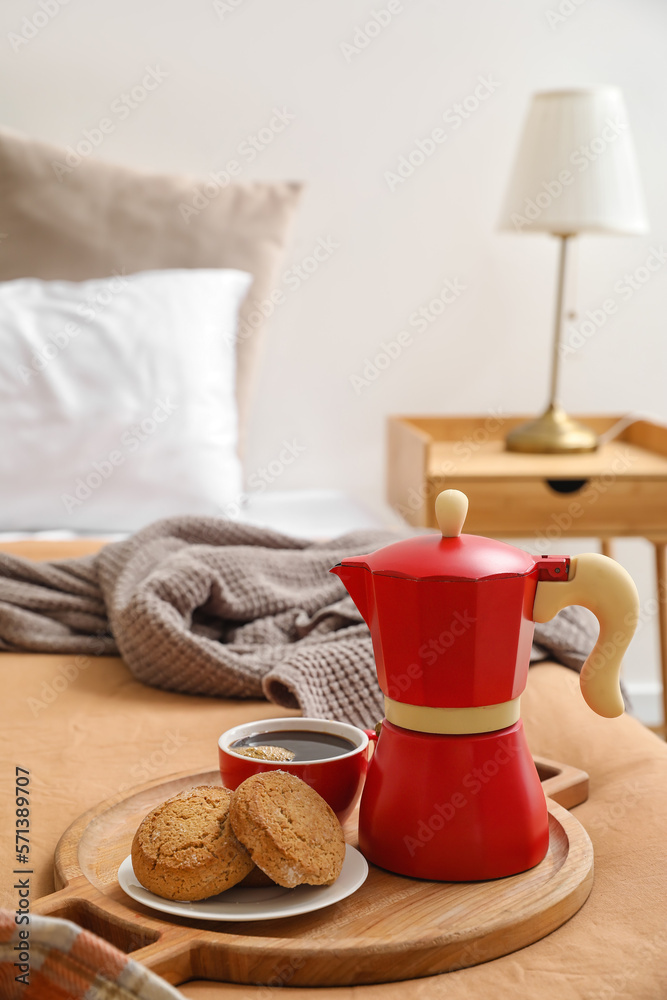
68	963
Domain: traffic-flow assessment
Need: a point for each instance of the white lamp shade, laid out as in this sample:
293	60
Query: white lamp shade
576	169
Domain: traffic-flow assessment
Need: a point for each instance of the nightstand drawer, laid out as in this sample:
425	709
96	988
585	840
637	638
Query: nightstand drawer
521	507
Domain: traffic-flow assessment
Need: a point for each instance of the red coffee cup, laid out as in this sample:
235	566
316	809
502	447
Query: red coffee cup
339	780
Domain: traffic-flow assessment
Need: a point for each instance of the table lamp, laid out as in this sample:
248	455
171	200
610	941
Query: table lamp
575	172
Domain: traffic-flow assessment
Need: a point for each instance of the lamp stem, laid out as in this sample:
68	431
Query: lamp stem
554	432
558	324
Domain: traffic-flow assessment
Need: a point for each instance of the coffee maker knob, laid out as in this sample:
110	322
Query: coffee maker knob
451	508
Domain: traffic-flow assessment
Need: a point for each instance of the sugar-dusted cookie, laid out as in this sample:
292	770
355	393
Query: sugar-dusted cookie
290	832
186	848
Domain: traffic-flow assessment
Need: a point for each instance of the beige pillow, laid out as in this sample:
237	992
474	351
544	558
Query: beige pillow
66	215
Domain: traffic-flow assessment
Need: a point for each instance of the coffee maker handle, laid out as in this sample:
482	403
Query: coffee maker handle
605	588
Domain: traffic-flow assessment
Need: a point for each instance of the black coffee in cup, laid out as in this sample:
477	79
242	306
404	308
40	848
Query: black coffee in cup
305	744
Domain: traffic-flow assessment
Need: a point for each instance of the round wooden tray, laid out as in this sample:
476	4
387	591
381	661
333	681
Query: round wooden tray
392	928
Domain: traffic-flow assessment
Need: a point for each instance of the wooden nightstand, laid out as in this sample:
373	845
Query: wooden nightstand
618	490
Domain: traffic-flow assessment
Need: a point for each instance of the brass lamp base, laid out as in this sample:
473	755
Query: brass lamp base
552	433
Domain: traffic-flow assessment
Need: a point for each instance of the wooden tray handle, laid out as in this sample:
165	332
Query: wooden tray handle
125	929
173	960
170	951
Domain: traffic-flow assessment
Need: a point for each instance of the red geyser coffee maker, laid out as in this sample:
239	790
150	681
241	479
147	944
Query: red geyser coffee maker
452	792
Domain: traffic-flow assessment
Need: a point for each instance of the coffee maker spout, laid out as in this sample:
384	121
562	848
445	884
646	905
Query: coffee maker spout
356	579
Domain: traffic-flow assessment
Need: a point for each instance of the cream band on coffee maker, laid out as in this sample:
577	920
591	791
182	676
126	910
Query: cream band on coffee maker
452	721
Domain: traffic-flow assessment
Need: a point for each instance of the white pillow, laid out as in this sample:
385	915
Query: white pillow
117	401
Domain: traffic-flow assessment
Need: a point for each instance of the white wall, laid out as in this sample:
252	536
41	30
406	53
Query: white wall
229	64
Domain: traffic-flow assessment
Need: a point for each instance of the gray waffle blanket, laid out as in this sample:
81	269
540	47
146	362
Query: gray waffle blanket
210	607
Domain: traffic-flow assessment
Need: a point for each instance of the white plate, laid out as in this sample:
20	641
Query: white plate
254	904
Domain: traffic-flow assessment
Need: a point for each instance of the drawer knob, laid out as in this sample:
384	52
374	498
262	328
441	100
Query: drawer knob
566	485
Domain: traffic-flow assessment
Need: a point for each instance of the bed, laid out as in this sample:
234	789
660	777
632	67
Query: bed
106	732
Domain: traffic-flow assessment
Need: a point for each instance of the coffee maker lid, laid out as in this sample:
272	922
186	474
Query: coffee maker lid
448	555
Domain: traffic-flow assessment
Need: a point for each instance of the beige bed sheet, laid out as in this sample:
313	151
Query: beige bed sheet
103	731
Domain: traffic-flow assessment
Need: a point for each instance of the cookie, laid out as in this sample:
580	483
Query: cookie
265	753
186	848
290	832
